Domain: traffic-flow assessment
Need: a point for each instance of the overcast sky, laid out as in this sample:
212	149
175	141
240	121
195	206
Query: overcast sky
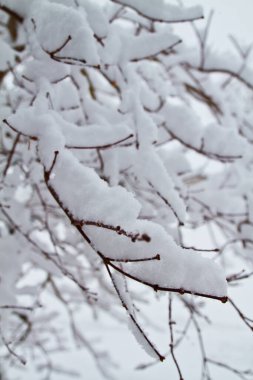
231	17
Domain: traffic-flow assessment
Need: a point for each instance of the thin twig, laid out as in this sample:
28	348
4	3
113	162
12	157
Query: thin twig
172	347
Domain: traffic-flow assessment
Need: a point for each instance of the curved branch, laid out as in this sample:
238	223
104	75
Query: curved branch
171	21
11	13
166	289
78	226
221	70
101	147
213	156
81	147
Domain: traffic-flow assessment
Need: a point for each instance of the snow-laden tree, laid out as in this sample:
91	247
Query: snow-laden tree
106	166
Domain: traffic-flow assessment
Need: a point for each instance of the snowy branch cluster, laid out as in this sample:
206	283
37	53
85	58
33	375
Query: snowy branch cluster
105	163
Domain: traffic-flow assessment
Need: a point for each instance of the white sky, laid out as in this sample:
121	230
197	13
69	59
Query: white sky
231	17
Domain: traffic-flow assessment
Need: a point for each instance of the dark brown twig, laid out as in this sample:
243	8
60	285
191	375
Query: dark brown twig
172	346
10	156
